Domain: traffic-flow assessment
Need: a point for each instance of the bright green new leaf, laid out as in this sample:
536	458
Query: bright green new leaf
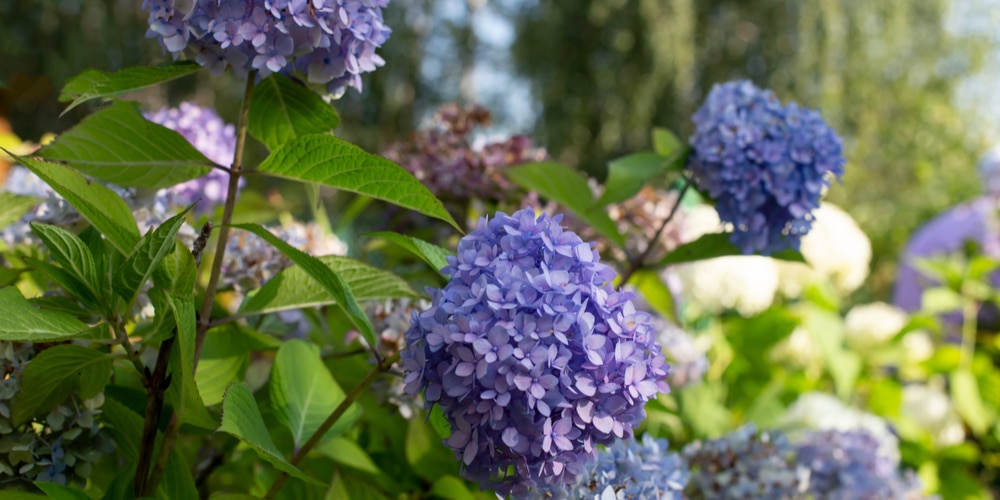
969	403
92	83
13	207
60	492
326	277
712	245
327	160
142	261
23	322
451	488
283	109
665	143
118	145
827	331
55	373
177	272
656	293
303	393
347	452
293	288
97	203
69	251
627	175
224	360
184	386
242	419
569	188
430	253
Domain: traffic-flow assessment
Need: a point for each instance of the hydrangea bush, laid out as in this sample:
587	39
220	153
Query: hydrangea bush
174	331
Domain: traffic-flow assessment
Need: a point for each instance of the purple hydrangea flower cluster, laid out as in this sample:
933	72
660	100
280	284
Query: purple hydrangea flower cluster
764	164
849	465
214	138
745	464
443	157
532	354
329	42
628	469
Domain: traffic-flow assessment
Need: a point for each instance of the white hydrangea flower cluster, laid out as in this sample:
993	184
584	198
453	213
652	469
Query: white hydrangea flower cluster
744	283
837	251
931	409
871	325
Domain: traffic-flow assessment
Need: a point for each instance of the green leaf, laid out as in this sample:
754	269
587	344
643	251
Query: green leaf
67	281
569	188
430	253
97	203
23	322
712	245
92	83
13	207
242	419
628	174
125	427
326	277
303	393
184	386
656	293
60	492
451	488
330	161
347	452
283	109
119	146
177	481
425	453
224	360
70	252
177	272
148	253
292	288
827	331
55	373
665	143
969	402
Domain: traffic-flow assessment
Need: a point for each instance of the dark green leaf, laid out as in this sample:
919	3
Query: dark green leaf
242	419
303	393
283	110
99	204
183	311
23	322
125	426
628	174
326	277
430	253
330	161
425	453
70	252
118	145
60	492
177	481
712	245
292	288
55	373
92	83
665	143
13	207
569	188
148	253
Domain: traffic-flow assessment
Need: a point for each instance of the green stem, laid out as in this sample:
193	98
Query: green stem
327	424
638	262
205	319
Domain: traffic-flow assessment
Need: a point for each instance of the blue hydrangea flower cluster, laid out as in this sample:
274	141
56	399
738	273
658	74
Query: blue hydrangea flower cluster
745	464
849	465
764	164
329	42
628	469
532	354
210	135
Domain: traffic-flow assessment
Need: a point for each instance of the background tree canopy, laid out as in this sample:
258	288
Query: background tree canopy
592	76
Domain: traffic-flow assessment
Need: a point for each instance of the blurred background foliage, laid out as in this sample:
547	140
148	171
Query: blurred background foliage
588	78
